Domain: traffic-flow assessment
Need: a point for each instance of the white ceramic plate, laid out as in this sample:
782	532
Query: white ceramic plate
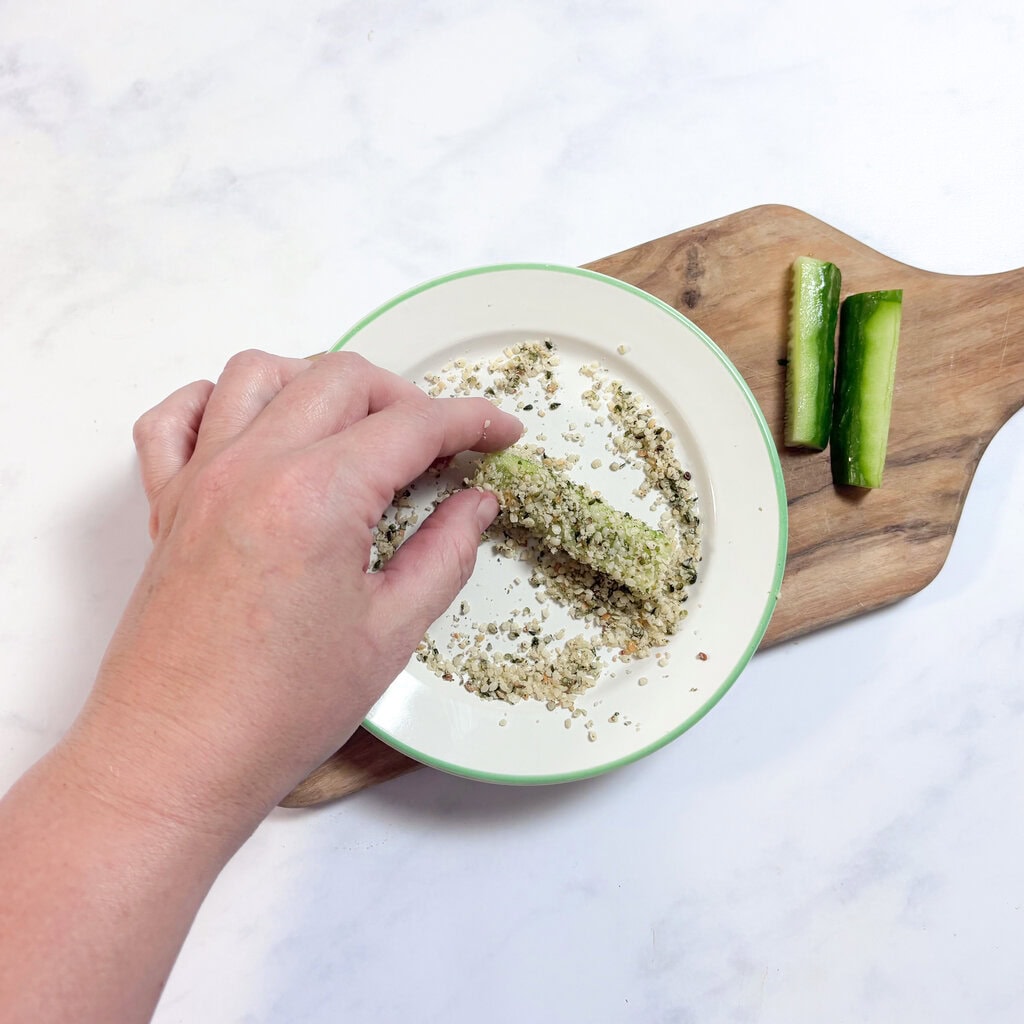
722	439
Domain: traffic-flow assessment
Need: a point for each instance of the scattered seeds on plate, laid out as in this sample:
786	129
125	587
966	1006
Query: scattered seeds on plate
519	657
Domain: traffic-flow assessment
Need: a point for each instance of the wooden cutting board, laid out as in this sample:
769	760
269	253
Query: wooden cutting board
960	376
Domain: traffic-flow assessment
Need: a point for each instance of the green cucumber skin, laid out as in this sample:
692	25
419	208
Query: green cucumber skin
811	353
869	330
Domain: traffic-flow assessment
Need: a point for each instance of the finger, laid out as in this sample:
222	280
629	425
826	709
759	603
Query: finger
165	437
395	445
339	389
423	577
248	384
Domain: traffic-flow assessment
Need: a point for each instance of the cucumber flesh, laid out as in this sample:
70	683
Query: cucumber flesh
811	353
869	334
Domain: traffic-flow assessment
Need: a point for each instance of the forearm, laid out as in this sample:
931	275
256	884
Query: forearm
97	897
250	651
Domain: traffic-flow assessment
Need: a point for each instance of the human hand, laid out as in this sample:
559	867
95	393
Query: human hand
256	641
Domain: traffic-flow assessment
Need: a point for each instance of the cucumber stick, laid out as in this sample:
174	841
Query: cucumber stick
571	518
811	353
869	334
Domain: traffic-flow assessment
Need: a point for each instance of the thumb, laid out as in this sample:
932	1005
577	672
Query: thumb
434	564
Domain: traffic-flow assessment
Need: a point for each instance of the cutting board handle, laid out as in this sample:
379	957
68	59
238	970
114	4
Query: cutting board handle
975	328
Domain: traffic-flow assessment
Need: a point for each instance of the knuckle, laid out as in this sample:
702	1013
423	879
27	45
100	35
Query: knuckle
248	361
351	360
252	368
153	427
344	364
147	427
458	557
180	411
421	413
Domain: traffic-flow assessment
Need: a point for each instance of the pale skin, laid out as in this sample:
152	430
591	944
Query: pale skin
250	650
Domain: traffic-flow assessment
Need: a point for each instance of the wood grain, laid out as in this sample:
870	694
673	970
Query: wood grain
960	377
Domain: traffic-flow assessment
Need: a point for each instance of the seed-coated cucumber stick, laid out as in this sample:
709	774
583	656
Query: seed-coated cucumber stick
811	353
571	518
869	334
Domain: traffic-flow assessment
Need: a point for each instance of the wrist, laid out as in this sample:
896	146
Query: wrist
145	772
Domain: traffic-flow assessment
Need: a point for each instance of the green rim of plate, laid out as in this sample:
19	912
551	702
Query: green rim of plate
780	555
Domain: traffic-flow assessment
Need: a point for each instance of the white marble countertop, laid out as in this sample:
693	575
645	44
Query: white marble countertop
841	838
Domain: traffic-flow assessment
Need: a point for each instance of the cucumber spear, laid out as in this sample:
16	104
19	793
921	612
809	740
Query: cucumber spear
811	353
869	334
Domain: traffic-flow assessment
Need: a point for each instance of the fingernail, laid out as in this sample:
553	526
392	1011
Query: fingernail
504	414
486	510
518	422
